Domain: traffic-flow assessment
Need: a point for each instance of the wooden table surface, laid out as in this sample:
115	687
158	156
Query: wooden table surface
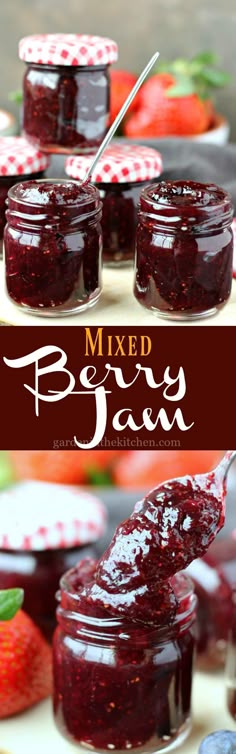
117	306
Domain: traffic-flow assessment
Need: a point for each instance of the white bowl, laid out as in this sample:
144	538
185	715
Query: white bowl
218	134
8	124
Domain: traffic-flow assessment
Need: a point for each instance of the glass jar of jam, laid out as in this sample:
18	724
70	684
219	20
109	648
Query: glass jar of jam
19	160
120	175
184	249
66	90
121	684
45	528
214	578
231	661
53	246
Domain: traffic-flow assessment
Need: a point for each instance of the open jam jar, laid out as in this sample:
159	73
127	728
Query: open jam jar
53	246
45	528
66	90
19	160
120	175
214	578
121	684
231	661
184	249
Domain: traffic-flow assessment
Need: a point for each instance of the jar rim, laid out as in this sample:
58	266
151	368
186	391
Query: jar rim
89	194
184	592
165	195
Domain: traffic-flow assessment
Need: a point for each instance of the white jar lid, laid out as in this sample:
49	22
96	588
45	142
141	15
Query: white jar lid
43	516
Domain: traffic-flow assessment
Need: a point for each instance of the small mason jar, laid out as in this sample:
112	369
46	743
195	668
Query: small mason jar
53	246
120	175
19	160
66	90
184	249
214	578
121	685
45	529
230	669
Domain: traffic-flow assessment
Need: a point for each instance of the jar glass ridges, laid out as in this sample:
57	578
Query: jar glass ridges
184	249
66	90
19	161
122	685
53	246
120	174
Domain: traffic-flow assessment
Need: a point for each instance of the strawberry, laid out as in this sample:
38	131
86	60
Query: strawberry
25	665
160	115
62	466
149	468
121	84
176	100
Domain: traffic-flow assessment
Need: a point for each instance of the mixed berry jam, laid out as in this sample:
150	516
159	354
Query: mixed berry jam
31	571
184	249
124	645
6	182
214	578
53	246
66	109
120	685
119	221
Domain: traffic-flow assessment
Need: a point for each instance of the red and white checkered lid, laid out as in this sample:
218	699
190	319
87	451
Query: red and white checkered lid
234	253
68	49
43	516
120	163
18	157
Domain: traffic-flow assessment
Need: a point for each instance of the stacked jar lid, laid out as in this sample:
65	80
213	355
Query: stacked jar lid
44	530
120	175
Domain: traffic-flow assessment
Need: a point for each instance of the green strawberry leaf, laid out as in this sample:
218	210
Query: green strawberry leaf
16	96
99	477
182	88
6	471
205	58
214	77
10	602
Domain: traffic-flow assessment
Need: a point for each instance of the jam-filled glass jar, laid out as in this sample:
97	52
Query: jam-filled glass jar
214	578
53	246
44	529
66	90
119	684
231	661
19	160
120	175
184	249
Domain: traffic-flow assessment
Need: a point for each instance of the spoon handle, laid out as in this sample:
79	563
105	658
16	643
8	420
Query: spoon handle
224	465
120	115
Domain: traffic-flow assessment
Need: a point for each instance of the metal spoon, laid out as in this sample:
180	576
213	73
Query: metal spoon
119	117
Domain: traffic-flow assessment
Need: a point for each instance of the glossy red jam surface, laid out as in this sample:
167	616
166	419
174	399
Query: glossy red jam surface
184	247
214	578
5	184
66	109
31	571
131	686
53	244
119	221
123	687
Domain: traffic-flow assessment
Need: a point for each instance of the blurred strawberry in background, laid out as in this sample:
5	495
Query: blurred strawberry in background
64	466
148	468
121	84
176	100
